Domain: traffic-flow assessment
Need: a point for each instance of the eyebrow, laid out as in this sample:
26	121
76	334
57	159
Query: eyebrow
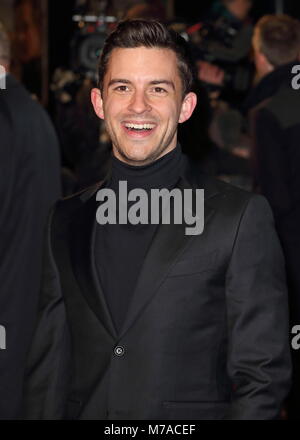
118	80
154	82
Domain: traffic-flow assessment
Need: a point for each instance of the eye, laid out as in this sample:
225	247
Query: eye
159	90
122	88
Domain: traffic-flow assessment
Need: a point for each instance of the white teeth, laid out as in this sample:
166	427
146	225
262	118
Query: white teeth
140	126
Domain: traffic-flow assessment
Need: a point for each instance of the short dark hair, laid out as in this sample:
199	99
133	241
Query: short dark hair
151	34
279	38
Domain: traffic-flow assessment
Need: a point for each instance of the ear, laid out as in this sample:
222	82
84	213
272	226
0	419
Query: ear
187	107
96	98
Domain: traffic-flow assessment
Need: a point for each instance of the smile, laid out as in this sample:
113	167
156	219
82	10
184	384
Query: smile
140	126
135	129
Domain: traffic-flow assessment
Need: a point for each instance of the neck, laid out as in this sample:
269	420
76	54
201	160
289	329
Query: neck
148	161
161	173
266	71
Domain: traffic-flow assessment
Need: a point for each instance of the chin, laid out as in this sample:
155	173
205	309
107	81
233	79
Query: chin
138	154
139	159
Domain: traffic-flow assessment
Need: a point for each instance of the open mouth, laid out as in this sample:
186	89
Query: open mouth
139	129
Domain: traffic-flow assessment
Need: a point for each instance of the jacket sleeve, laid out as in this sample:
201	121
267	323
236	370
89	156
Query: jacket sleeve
259	363
20	255
269	161
47	367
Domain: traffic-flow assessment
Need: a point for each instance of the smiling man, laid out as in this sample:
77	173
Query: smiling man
142	321
142	98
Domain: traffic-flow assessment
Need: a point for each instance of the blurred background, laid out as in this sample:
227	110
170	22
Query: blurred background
55	47
245	129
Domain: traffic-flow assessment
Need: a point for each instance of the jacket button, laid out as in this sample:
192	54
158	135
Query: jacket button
119	350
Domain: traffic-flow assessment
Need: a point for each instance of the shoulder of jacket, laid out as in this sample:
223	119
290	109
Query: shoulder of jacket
217	188
283	106
226	198
67	206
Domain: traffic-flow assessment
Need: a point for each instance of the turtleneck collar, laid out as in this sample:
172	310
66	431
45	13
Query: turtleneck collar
162	173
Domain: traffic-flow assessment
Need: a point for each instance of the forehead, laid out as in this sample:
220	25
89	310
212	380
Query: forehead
142	63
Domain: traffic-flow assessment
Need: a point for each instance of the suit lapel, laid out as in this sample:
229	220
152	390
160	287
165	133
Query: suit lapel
82	241
168	243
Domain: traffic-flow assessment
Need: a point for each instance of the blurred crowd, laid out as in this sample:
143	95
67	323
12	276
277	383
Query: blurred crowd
245	130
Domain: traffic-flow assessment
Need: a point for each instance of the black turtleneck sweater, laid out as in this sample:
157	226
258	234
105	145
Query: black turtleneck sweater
120	249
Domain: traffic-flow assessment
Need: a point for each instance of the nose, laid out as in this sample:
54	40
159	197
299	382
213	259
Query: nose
139	103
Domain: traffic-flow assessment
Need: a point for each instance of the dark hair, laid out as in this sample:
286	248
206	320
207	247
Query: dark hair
279	38
151	34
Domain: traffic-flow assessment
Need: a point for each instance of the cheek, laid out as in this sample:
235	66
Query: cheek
110	112
115	109
169	111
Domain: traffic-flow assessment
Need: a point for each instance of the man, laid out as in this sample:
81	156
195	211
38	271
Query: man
226	68
143	321
29	185
28	43
275	121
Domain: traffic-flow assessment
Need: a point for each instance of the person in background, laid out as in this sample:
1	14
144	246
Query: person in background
227	69
29	185
274	118
146	10
28	44
224	70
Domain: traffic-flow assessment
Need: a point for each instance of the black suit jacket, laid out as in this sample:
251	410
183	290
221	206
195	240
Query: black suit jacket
29	186
206	334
